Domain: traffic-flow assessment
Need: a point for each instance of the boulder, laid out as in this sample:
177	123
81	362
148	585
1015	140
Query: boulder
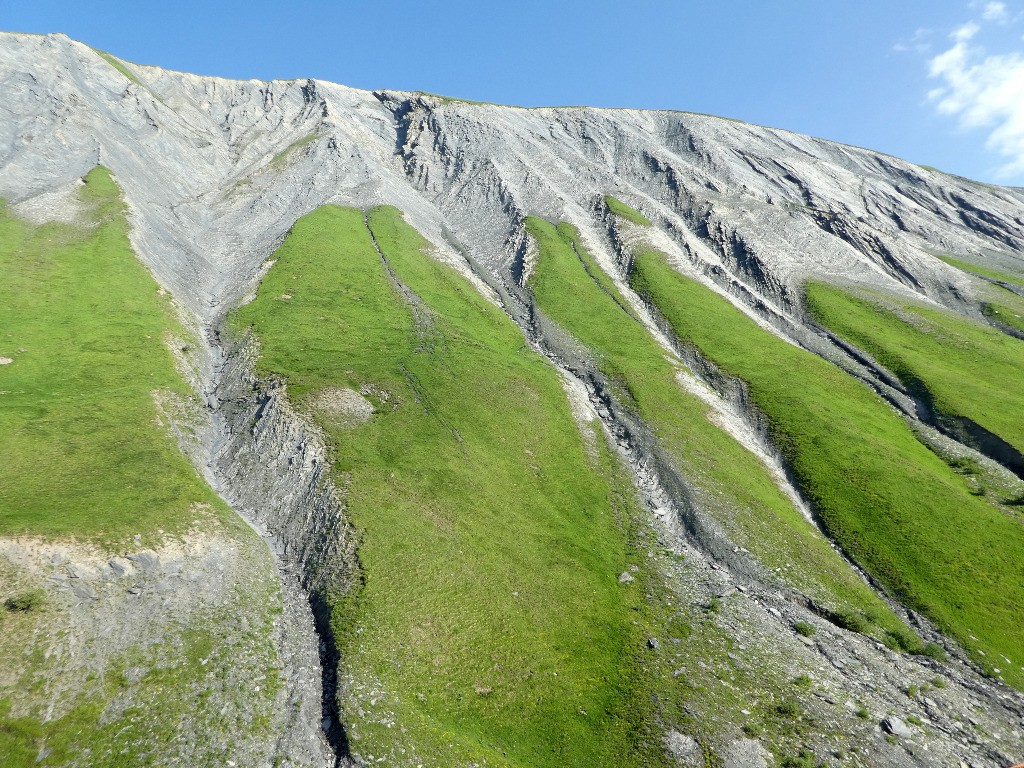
897	727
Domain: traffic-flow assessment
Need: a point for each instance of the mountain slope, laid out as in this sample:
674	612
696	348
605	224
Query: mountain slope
369	410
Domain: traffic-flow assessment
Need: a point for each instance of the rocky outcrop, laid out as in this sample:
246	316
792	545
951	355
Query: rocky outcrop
272	466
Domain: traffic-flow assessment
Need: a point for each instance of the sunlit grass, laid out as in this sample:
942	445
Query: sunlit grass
572	290
619	208
491	618
84	451
961	367
977	269
888	500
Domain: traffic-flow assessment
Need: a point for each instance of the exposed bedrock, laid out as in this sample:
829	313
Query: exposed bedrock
272	466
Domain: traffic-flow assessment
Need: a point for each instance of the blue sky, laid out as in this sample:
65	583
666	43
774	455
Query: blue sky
938	82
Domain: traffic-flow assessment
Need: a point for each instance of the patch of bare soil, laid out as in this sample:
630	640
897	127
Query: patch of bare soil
342	406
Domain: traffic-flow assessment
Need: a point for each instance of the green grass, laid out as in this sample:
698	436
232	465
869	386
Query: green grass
963	368
888	500
119	65
26	600
491	620
805	628
84	454
173	694
976	269
1000	313
86	458
574	292
281	157
1007	308
619	208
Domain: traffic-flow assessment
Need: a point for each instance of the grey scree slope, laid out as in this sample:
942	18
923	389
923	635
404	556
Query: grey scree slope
216	171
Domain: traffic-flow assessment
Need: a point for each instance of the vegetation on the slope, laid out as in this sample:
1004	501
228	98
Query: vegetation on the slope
1002	304
1007	311
491	623
87	458
889	501
977	269
84	451
619	208
281	157
456	100
119	65
188	694
960	367
573	291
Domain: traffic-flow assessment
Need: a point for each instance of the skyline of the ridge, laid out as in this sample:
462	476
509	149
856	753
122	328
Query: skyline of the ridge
940	84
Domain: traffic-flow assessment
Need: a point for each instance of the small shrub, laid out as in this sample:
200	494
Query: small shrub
905	640
915	720
803	681
862	712
852	621
934	651
27	600
805	759
715	605
965	465
788	708
805	628
751	730
912	691
939	682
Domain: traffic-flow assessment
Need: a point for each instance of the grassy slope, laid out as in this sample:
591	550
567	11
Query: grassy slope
1007	308
85	458
967	368
759	516
279	160
984	271
944	552
76	410
119	65
627	212
1004	306
491	619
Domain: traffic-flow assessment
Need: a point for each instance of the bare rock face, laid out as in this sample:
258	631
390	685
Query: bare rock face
897	727
746	753
684	750
136	617
215	172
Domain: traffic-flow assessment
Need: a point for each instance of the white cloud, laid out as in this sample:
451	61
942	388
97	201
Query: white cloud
966	32
983	91
995	12
919	43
